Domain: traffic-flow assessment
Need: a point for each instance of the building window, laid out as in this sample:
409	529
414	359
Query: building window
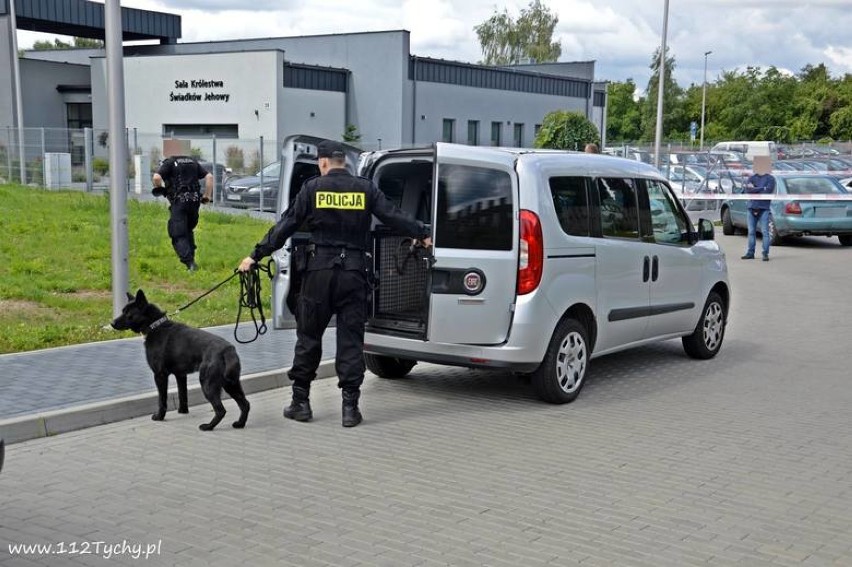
496	130
518	138
79	115
201	130
473	132
449	130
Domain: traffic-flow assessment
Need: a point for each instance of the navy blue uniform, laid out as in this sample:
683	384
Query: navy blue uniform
183	190
337	209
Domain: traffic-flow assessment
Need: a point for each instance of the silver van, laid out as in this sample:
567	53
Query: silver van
542	260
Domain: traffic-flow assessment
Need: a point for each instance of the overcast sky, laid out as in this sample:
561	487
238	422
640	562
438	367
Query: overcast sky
620	35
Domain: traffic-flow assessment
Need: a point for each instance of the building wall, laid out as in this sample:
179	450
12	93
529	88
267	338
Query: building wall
44	106
295	109
436	101
153	87
378	62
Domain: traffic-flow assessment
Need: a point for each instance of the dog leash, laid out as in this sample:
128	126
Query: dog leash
250	298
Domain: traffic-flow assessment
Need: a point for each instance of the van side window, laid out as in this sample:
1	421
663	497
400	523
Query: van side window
667	222
571	202
474	208
618	206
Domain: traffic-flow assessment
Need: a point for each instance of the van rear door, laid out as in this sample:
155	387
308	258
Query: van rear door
475	236
298	164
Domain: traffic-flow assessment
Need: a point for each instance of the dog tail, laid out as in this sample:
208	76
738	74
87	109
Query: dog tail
232	365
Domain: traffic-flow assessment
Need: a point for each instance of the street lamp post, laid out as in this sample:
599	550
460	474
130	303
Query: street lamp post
662	70
703	101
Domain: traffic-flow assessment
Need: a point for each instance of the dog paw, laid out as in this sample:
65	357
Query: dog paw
238	424
183	410
206	427
159	416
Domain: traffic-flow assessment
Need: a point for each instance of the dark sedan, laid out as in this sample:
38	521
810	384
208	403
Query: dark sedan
247	191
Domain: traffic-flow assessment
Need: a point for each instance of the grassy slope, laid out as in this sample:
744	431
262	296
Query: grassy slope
55	266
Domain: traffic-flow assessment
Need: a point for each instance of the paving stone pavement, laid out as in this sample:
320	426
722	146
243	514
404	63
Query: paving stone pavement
64	377
745	459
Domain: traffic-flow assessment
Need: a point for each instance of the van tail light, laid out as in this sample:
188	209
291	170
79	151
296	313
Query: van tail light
793	208
531	258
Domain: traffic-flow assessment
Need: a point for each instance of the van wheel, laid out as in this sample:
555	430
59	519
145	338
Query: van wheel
563	371
706	340
387	366
727	225
845	239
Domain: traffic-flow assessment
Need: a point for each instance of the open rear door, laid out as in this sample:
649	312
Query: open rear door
475	235
298	164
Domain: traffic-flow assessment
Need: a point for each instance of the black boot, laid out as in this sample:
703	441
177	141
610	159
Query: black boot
351	414
300	407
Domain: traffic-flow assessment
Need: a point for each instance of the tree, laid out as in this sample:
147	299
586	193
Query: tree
623	116
79	43
674	117
565	130
351	135
506	41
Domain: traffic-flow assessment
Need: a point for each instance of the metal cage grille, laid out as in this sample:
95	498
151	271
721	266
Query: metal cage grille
400	295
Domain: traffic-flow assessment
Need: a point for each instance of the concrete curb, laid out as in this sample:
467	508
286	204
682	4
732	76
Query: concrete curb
54	422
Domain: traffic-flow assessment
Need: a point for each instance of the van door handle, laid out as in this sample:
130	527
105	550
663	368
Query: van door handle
646	268
655	270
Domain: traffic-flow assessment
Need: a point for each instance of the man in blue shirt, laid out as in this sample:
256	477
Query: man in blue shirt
761	183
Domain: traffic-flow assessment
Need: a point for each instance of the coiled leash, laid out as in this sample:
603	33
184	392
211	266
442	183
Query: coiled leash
250	298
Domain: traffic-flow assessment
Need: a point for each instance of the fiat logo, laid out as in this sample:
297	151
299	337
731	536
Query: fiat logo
473	282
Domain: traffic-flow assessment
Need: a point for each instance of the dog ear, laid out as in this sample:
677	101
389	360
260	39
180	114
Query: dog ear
130	297
140	297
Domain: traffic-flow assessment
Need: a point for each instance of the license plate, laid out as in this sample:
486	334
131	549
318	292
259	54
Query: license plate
234	197
829	212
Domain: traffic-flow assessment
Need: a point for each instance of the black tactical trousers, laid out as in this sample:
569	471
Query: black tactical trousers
182	221
324	293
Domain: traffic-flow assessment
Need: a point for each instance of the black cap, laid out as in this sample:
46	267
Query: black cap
330	149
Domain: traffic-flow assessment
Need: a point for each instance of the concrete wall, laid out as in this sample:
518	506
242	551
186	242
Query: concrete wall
154	85
295	109
44	106
437	101
378	62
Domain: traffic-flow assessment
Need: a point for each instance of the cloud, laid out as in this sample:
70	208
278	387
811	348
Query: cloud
620	35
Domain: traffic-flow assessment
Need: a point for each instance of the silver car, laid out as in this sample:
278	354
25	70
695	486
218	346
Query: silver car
542	261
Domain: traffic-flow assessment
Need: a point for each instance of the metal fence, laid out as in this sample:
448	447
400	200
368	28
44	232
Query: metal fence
79	159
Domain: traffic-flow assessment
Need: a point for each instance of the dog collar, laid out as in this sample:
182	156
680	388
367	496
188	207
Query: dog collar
157	323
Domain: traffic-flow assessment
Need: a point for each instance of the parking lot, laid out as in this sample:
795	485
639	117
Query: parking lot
662	460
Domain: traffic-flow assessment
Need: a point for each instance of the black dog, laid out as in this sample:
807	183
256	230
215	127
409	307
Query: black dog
174	348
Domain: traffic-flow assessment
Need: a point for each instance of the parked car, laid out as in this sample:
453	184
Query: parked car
797	217
221	174
247	191
541	262
697	178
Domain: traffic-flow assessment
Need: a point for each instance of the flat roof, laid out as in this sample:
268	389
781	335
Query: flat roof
82	18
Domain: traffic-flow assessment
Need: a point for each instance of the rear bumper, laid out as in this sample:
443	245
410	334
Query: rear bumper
818	227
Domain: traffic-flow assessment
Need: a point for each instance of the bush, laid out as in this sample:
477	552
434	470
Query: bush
155	158
196	153
255	164
234	158
563	130
100	166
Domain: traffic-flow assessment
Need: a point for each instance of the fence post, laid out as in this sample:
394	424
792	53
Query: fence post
43	164
88	145
217	198
9	153
261	174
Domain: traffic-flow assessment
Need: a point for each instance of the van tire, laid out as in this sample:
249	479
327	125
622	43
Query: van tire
727	225
562	373
706	340
388	366
845	239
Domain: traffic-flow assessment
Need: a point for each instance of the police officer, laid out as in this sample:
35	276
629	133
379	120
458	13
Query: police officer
181	175
338	208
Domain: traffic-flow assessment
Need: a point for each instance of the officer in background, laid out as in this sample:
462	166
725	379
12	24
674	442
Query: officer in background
181	175
337	208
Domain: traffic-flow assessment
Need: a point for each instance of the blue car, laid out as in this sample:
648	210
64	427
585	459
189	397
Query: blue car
790	216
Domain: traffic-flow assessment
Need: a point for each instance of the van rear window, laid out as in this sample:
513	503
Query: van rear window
474	208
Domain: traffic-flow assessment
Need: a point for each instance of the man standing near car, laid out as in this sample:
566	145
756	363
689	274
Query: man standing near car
181	175
337	208
760	183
